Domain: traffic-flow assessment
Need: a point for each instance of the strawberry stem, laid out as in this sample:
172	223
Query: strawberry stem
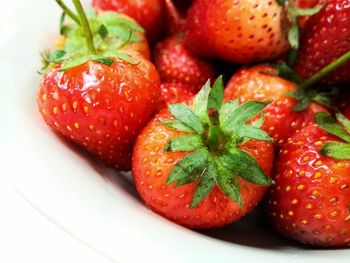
68	11
85	24
176	21
326	70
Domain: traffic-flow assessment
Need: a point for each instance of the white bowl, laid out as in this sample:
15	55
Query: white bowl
93	204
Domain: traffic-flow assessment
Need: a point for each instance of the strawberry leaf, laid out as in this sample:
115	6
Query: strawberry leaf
229	184
305	11
102	31
326	122
251	132
190	163
176	125
293	37
106	61
185	115
206	184
216	95
337	150
64	29
227	108
245	166
183	143
241	115
200	103
124	56
287	73
345	122
259	122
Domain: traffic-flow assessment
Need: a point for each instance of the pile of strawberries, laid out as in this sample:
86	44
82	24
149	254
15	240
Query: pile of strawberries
130	82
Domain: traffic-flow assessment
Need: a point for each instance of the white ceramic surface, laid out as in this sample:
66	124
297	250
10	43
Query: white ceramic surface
93	204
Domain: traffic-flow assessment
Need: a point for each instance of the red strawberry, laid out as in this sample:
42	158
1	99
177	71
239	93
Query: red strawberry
99	101
193	166
237	31
326	38
148	13
258	83
176	65
171	93
310	200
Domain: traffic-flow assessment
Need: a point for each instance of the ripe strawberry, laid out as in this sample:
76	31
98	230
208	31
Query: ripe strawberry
171	93
259	83
148	13
237	31
176	65
326	37
203	167
310	200
98	100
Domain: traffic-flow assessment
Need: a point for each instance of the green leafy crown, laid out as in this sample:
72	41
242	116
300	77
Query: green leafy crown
213	131
304	94
110	32
339	127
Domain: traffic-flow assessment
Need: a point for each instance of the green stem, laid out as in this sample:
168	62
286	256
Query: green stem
68	11
326	70
85	24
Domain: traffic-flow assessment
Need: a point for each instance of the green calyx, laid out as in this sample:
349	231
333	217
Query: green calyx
97	38
213	131
339	127
305	94
293	13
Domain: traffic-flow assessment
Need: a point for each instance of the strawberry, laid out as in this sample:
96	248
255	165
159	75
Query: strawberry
172	60
148	13
203	166
310	200
99	99
261	83
326	37
109	29
176	65
242	31
171	93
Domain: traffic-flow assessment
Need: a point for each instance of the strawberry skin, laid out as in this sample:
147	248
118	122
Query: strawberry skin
151	167
237	31
310	200
280	120
171	93
148	13
325	38
100	107
176	65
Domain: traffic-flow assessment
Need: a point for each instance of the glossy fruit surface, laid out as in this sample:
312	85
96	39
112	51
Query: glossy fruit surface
310	200
171	93
325	38
100	107
239	31
176	64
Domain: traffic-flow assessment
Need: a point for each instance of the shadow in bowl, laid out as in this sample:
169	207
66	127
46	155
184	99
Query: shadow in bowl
251	231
